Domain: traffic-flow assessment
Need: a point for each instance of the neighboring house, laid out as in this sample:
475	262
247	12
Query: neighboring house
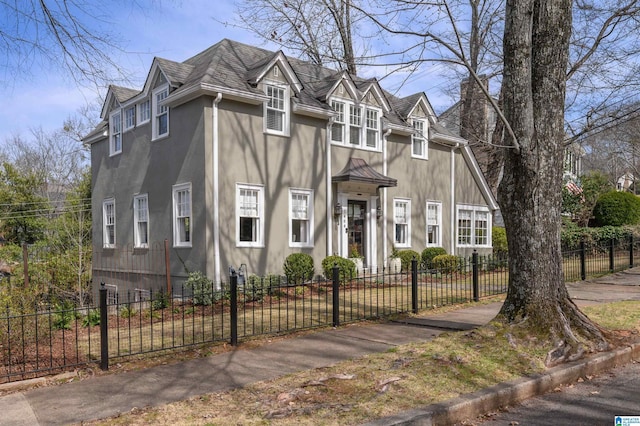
240	155
573	155
481	129
626	182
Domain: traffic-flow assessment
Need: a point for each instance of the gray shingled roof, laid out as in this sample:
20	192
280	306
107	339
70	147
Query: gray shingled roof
123	94
235	65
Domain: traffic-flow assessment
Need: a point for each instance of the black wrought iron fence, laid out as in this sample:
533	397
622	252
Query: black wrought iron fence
45	338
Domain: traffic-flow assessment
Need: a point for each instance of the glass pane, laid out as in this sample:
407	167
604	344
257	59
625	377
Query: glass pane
248	229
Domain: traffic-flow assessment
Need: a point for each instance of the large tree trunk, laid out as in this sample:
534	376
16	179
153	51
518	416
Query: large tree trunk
536	45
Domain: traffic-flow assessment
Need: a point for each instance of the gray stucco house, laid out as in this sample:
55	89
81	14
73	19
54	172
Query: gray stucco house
241	155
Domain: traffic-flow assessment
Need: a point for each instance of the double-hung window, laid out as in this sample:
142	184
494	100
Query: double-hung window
402	222
130	117
434	224
474	226
141	220
355	124
115	133
300	218
249	215
160	113
337	128
276	109
372	124
419	148
144	111
182	223
109	223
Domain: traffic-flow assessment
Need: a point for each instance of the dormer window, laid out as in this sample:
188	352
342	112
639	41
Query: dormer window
160	113
276	110
361	129
355	123
372	124
419	147
115	133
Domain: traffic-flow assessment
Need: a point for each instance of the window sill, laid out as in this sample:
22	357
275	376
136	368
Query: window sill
301	245
419	157
182	245
249	245
157	138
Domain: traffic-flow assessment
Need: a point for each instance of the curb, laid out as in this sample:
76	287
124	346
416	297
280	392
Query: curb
23	385
472	405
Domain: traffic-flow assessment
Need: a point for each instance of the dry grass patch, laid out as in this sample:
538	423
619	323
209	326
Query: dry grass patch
379	385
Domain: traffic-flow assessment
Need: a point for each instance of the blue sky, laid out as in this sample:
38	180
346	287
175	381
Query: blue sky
46	96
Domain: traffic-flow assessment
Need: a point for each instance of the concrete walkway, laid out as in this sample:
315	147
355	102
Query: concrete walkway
109	395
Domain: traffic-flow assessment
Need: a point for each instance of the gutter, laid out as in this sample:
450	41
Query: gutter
453	199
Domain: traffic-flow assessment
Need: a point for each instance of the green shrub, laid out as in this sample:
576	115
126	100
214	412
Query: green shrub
160	300
256	288
406	256
499	240
63	315
616	209
127	311
92	318
201	288
429	253
298	267
446	263
347	267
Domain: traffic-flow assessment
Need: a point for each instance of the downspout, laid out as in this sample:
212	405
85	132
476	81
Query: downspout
384	198
216	191
329	206
453	199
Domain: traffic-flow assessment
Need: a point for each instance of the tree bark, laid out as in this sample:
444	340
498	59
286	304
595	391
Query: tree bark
536	45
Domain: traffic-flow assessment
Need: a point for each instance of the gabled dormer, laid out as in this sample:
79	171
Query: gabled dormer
358	120
276	78
419	114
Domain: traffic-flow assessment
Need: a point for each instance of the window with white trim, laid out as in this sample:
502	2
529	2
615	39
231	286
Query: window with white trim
182	223
249	215
372	124
419	147
402	222
130	118
434	224
360	129
276	120
337	128
144	111
115	133
141	221
473	226
300	218
355	124
160	112
109	223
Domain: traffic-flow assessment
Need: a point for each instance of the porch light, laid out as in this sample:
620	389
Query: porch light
378	212
337	210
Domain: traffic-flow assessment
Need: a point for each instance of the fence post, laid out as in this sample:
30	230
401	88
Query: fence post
631	251
167	267
611	260
233	279
104	327
336	295
414	285
476	284
583	261
25	264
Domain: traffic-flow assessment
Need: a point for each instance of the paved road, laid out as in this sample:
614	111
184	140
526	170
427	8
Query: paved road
590	403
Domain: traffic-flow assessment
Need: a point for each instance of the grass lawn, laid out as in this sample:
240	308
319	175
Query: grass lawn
377	385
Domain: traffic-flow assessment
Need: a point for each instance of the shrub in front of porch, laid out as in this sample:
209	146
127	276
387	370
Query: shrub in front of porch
346	266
